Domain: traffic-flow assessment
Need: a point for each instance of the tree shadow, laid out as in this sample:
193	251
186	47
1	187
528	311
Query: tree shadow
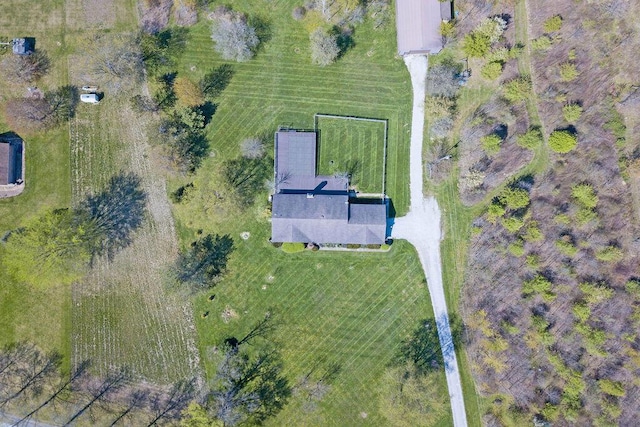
208	109
262	27
216	80
345	40
116	213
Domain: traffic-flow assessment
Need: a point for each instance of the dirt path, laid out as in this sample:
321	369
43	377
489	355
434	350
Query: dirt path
421	227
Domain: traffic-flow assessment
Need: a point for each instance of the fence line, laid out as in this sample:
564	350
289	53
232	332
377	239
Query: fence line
363	119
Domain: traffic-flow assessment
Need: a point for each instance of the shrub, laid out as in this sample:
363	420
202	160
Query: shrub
439	106
514	198
581	311
182	194
442	81
517	89
571	112
530	139
512	224
612	388
562	219
517	248
491	144
568	71
188	93
500	54
562	141
476	45
292	248
324	47
538	285
447	30
495	211
610	254
541	43
552	24
353	246
491	28
491	70
298	13
566	248
584	195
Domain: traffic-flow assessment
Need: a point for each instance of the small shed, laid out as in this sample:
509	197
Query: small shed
10	162
24	46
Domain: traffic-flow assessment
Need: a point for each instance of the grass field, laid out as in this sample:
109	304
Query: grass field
349	309
43	315
353	146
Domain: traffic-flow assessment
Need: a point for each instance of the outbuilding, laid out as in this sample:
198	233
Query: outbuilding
418	24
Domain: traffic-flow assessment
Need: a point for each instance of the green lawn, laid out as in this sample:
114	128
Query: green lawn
280	87
27	313
355	147
348	309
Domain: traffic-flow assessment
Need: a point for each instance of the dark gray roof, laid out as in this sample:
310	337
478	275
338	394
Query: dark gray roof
313	208
309	206
5	163
23	46
326	218
418	25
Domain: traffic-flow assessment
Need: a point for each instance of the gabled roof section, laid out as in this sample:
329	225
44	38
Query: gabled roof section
418	25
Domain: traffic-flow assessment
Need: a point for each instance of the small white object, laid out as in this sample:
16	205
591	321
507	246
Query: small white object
91	98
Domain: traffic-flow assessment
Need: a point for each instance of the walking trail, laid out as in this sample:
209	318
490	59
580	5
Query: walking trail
421	227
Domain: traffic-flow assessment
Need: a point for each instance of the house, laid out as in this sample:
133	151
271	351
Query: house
321	209
418	25
10	162
24	46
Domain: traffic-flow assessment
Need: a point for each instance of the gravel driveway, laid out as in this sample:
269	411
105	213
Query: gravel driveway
421	227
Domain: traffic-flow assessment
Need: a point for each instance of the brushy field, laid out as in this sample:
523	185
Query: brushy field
354	147
349	310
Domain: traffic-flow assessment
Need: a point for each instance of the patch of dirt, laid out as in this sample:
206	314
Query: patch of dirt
229	314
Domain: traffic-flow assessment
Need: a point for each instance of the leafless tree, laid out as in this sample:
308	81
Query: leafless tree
22	69
324	47
234	37
252	148
29	114
115	61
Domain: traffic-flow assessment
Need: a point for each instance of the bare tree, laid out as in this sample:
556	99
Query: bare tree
252	148
29	114
233	36
22	69
115	60
324	47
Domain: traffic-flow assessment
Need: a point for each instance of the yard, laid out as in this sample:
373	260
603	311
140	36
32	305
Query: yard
353	146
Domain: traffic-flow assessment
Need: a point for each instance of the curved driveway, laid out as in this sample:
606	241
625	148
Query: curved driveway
421	227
